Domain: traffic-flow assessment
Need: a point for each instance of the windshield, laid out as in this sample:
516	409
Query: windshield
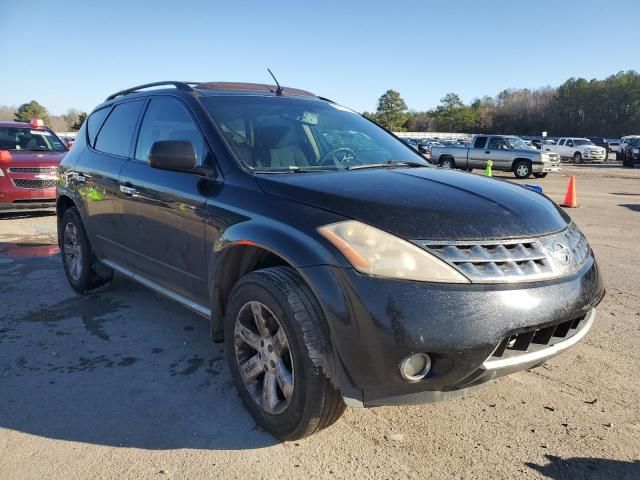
582	141
288	133
517	143
21	138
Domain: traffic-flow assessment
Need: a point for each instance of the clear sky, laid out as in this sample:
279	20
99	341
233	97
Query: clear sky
74	53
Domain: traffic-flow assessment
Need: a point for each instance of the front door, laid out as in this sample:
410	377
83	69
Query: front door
499	153
162	211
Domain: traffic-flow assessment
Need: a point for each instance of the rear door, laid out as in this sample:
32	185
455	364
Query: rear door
477	157
162	210
110	133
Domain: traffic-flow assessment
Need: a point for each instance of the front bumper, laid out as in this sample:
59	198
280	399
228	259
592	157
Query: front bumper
546	167
376	322
16	199
595	156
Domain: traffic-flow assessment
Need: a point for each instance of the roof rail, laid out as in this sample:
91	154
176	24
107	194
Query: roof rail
186	86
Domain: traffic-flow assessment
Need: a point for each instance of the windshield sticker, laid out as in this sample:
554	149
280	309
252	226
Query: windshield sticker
40	132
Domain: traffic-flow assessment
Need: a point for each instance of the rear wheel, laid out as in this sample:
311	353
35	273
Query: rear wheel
522	169
279	351
540	175
80	266
577	157
447	162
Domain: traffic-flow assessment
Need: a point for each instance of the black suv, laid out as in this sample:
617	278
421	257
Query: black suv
338	266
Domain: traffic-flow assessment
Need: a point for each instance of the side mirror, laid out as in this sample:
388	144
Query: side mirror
176	155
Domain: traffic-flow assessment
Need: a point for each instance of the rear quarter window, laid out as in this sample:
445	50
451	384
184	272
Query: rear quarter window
95	121
117	132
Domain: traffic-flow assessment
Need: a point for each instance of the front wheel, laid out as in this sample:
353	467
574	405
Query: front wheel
80	266
577	157
279	351
540	175
522	169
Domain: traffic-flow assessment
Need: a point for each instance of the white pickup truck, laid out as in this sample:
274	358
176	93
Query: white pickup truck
579	149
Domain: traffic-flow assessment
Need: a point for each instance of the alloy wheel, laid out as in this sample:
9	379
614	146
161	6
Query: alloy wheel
263	357
72	251
522	170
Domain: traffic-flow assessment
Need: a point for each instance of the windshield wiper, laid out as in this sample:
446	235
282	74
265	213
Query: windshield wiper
389	164
294	169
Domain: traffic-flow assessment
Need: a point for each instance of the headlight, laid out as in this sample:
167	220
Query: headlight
374	252
1	173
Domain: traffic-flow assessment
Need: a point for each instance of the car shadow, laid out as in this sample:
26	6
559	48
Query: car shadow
588	468
610	164
26	214
631	206
121	367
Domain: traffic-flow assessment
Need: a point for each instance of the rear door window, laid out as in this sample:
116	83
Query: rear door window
480	142
167	119
117	132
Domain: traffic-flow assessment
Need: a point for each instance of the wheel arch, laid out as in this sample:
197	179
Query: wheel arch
250	246
63	203
520	159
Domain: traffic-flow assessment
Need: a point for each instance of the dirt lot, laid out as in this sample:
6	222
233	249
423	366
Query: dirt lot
125	384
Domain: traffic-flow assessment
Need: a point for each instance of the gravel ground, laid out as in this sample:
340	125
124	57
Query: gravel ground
125	384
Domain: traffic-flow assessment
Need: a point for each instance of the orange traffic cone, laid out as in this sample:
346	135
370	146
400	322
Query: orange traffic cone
570	198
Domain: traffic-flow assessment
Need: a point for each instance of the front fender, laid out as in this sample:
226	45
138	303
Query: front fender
296	247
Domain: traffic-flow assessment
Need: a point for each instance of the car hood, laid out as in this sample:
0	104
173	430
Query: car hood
424	203
36	158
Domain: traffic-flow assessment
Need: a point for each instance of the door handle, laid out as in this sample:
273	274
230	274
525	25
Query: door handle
487	151
128	190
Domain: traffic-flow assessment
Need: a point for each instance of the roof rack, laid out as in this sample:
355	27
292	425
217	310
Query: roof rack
186	86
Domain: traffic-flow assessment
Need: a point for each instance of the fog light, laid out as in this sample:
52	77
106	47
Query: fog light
415	367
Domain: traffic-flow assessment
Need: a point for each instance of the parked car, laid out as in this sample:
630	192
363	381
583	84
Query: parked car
631	154
601	142
614	145
578	149
508	154
29	157
335	263
622	148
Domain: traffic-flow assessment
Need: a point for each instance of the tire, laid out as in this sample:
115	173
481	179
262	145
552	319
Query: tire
577	157
522	169
447	162
78	260
300	364
540	175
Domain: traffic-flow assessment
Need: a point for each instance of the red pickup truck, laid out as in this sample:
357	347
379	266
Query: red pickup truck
30	155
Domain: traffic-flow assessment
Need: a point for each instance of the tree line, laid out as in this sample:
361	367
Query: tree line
578	107
68	122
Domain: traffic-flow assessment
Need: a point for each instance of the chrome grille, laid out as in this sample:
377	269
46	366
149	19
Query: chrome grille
515	260
32	170
34	184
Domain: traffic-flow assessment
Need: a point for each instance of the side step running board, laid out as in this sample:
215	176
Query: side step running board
191	305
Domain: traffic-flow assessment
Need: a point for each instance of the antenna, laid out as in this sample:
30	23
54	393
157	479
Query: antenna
279	89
